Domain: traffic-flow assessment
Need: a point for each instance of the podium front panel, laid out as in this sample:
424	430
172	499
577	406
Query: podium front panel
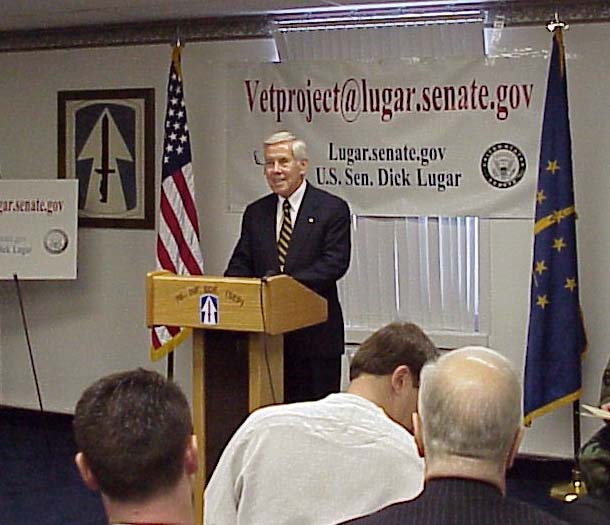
209	303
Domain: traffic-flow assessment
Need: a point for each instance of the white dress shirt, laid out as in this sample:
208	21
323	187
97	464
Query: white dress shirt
313	463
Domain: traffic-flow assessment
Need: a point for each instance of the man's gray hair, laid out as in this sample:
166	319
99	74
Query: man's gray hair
469	405
299	148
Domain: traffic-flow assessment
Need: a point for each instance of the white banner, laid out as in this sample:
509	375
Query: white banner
437	137
38	229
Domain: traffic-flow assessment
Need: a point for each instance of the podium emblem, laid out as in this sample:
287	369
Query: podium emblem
208	309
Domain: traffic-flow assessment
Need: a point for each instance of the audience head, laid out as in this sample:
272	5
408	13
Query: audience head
389	347
388	365
133	432
469	409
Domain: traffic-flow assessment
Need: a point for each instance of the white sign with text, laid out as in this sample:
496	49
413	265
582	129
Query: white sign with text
38	229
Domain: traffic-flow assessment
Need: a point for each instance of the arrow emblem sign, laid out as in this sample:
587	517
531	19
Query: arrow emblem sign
208	309
105	146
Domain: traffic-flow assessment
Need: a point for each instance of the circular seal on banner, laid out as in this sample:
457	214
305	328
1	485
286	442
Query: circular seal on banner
503	165
55	241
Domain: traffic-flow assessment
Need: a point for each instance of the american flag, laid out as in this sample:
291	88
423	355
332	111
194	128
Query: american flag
178	239
556	339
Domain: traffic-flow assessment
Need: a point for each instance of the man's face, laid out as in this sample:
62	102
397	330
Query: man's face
284	174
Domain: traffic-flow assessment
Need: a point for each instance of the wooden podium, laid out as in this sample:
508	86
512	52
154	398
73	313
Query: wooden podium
238	359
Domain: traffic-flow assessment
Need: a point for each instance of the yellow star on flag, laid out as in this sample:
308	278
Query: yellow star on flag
542	301
559	244
557	216
540	267
552	166
570	284
540	196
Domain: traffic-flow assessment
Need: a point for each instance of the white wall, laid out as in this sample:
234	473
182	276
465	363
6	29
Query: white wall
95	325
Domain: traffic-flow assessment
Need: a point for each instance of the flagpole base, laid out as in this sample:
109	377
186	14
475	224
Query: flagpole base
569	490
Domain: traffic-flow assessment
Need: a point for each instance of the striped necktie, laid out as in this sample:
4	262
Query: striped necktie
285	235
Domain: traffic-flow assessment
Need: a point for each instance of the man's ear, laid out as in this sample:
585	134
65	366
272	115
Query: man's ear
85	472
512	453
191	460
417	434
401	377
304	163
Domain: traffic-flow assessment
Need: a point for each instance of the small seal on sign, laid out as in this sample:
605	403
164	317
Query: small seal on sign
55	241
503	165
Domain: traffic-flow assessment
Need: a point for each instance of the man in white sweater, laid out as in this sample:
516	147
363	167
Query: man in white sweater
321	462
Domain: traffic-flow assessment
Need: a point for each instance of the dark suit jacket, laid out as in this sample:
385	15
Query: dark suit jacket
318	255
454	501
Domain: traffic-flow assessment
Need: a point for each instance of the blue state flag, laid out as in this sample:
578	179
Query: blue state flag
556	338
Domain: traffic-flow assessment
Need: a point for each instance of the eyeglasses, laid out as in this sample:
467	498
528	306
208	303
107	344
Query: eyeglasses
258	160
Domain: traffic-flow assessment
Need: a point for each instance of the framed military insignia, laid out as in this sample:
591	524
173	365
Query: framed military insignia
106	140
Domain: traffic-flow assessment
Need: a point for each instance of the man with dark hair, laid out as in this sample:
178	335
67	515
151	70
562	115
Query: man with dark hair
468	427
135	442
304	232
324	461
387	349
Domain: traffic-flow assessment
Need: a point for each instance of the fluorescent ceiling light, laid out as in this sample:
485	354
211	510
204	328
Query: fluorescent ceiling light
367	7
373	18
364	25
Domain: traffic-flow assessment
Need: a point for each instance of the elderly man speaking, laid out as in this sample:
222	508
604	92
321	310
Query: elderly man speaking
304	232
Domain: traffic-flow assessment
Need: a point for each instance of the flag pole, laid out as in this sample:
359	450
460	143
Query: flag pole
170	356
576	435
575	488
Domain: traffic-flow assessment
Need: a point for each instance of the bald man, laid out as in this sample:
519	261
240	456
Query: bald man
468	430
